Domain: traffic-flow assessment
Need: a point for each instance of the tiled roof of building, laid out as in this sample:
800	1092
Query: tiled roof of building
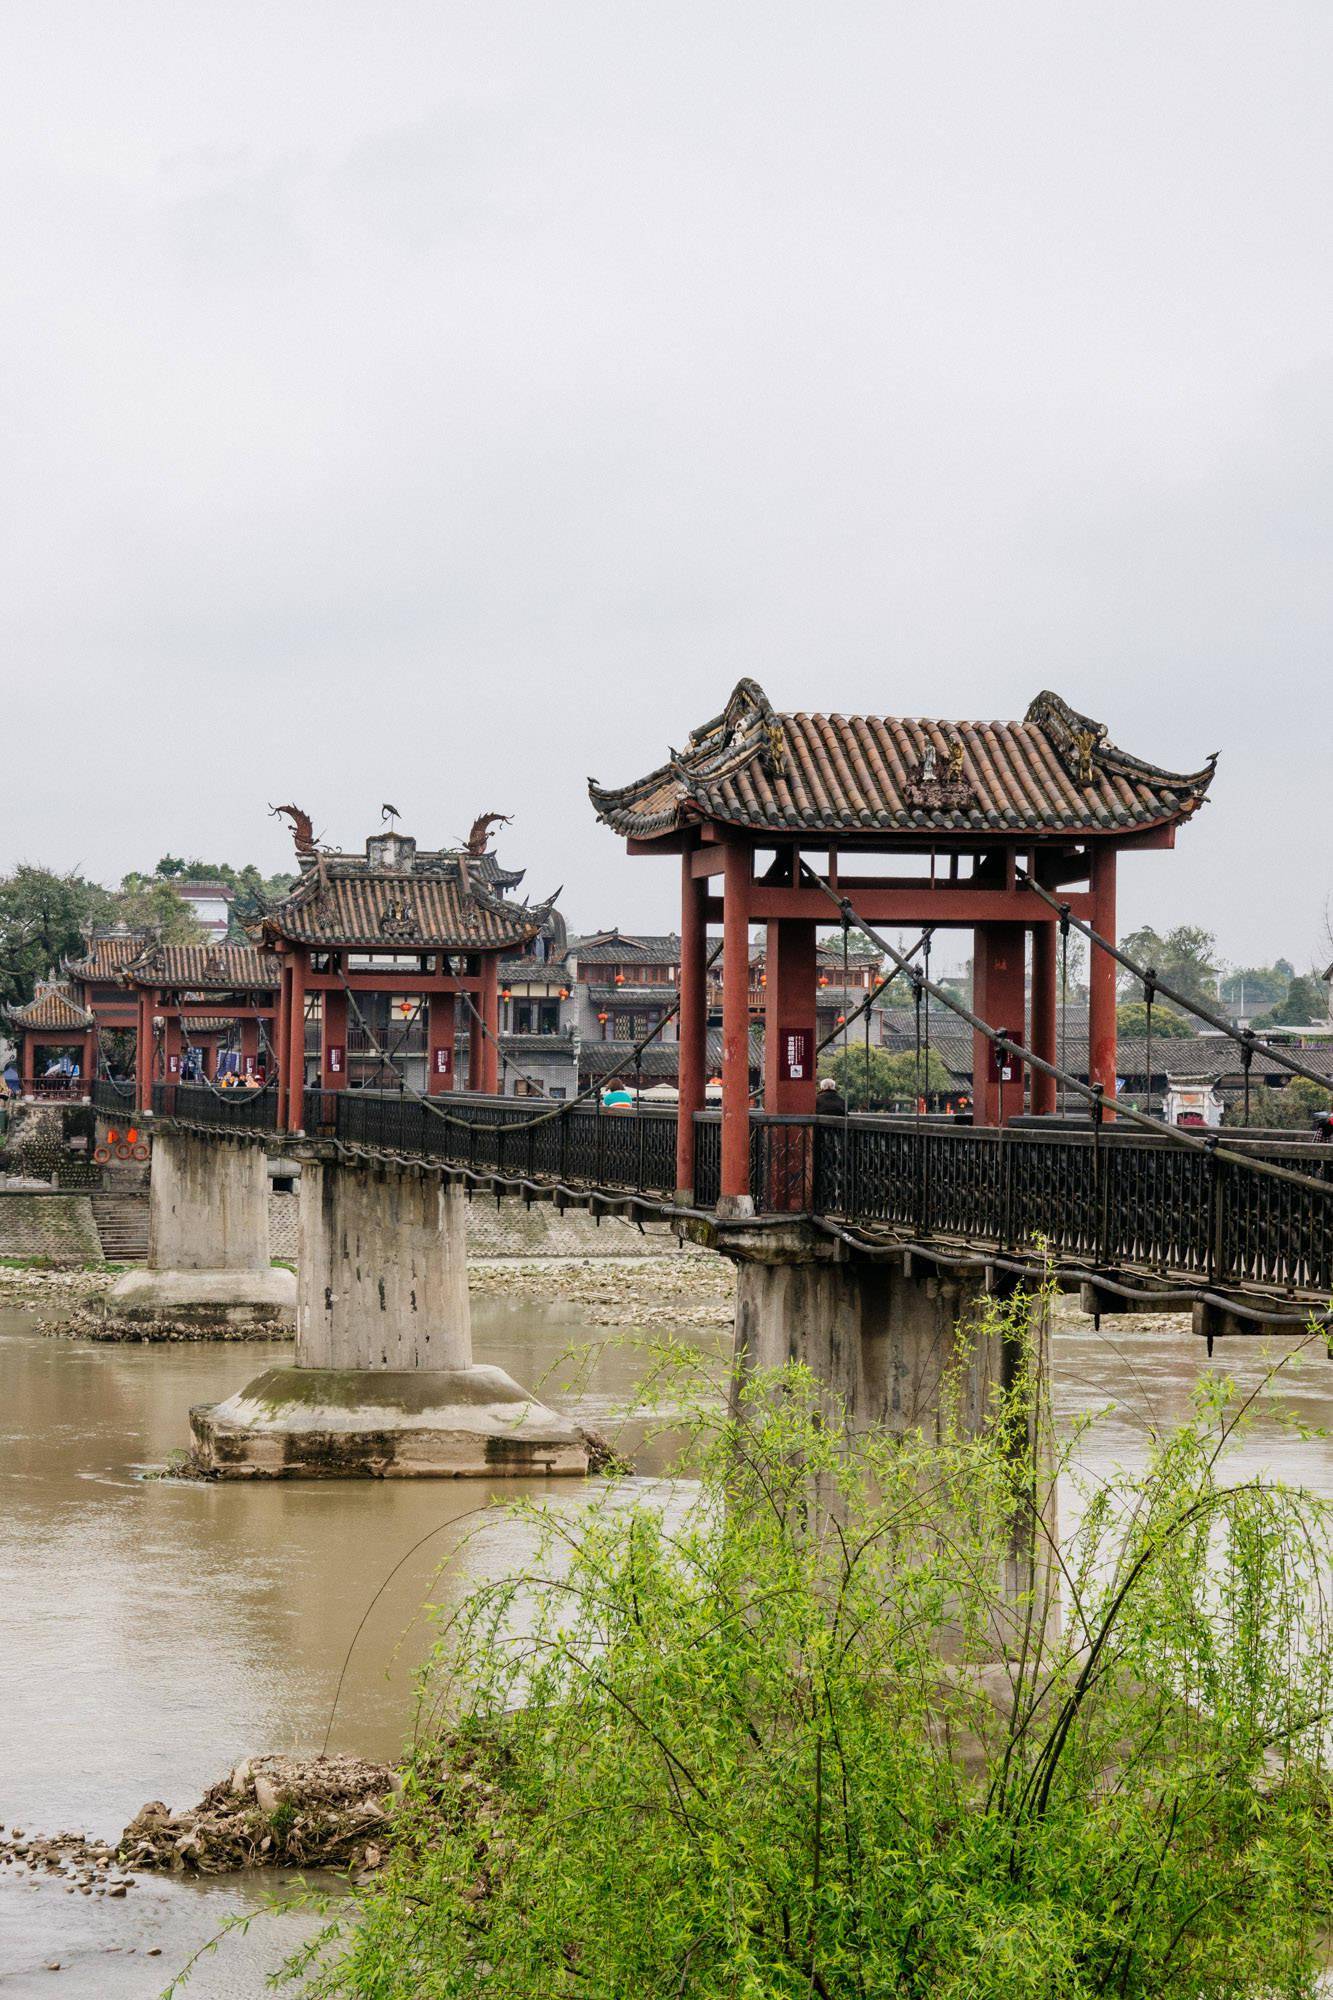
207	968
626	948
661	994
660	1059
52	1007
751	767
398	898
106	953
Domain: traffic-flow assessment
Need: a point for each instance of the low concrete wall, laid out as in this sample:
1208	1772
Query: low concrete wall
58	1227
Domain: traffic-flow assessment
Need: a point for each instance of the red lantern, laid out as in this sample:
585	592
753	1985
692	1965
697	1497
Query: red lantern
620	979
823	979
564	993
505	993
842	1020
603	1018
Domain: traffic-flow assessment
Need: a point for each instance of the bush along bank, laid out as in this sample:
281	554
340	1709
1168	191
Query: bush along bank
773	1751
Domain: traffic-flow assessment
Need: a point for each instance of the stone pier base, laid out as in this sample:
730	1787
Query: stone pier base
384	1384
443	1423
250	1300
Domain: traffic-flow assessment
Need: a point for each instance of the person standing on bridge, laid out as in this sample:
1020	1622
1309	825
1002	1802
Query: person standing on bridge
829	1100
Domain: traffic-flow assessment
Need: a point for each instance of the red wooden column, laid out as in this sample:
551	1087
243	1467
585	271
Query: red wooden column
173	1047
295	1052
440	1030
281	1036
88	1072
1045	1038
143	1054
1101	975
789	1017
488	1001
692	1022
735	1185
333	1042
249	1047
998	996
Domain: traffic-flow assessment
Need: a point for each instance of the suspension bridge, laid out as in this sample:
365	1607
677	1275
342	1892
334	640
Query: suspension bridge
860	1241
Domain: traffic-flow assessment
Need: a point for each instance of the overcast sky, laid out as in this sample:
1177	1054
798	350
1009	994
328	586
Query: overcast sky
438	403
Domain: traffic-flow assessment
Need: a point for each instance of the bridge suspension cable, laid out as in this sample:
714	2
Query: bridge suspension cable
1147	975
1093	1093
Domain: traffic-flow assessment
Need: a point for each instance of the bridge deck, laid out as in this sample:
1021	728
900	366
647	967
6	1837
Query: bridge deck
1115	1204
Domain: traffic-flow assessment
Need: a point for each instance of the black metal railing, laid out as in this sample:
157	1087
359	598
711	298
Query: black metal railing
238	1110
114	1097
1113	1199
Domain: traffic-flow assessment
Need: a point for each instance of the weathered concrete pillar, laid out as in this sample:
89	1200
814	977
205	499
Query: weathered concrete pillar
382	1277
904	1347
384	1384
208	1242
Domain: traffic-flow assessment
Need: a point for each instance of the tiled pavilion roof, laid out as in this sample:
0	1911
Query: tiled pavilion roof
394	897
206	968
52	1008
107	953
1054	772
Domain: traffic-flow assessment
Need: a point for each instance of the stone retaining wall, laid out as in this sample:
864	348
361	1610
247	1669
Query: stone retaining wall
513	1231
57	1227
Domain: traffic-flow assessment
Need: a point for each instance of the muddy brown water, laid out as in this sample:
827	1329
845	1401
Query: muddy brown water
154	1632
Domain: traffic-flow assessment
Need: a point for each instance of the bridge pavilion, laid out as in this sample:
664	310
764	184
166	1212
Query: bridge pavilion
50	1028
763	806
190	998
395	922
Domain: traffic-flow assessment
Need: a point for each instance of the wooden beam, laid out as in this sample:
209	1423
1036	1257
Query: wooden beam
946	904
707	861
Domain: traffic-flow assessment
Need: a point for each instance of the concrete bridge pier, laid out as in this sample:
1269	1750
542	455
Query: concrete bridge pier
208	1241
905	1345
383	1383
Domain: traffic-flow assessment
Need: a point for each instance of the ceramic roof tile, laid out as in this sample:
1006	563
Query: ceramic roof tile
751	767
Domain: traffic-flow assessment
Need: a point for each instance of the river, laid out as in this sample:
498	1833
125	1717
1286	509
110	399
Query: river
155	1632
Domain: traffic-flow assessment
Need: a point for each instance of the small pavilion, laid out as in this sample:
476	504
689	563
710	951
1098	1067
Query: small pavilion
95	979
54	1029
917	823
419	929
189	999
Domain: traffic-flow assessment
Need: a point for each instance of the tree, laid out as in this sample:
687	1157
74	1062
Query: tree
1304	1003
144	903
255	892
42	918
888	1080
1131	1018
1292	1108
1250	988
1185	958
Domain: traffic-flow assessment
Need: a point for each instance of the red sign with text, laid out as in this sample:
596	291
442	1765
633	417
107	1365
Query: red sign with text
796	1055
444	1061
335	1058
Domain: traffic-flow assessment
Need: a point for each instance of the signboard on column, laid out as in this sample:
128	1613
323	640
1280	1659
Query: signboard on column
444	1061
796	1055
334	1058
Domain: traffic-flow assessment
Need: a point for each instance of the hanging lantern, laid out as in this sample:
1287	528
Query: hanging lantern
505	993
823	979
620	979
842	1020
564	993
763	979
603	1018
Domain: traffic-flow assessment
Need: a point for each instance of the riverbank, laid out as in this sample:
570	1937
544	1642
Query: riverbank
688	1288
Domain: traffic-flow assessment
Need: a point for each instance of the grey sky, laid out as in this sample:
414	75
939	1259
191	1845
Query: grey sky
440	403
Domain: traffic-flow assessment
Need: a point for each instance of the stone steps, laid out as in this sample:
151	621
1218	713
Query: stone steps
122	1225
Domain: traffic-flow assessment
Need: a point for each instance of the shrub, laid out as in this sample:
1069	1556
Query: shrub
757	1743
